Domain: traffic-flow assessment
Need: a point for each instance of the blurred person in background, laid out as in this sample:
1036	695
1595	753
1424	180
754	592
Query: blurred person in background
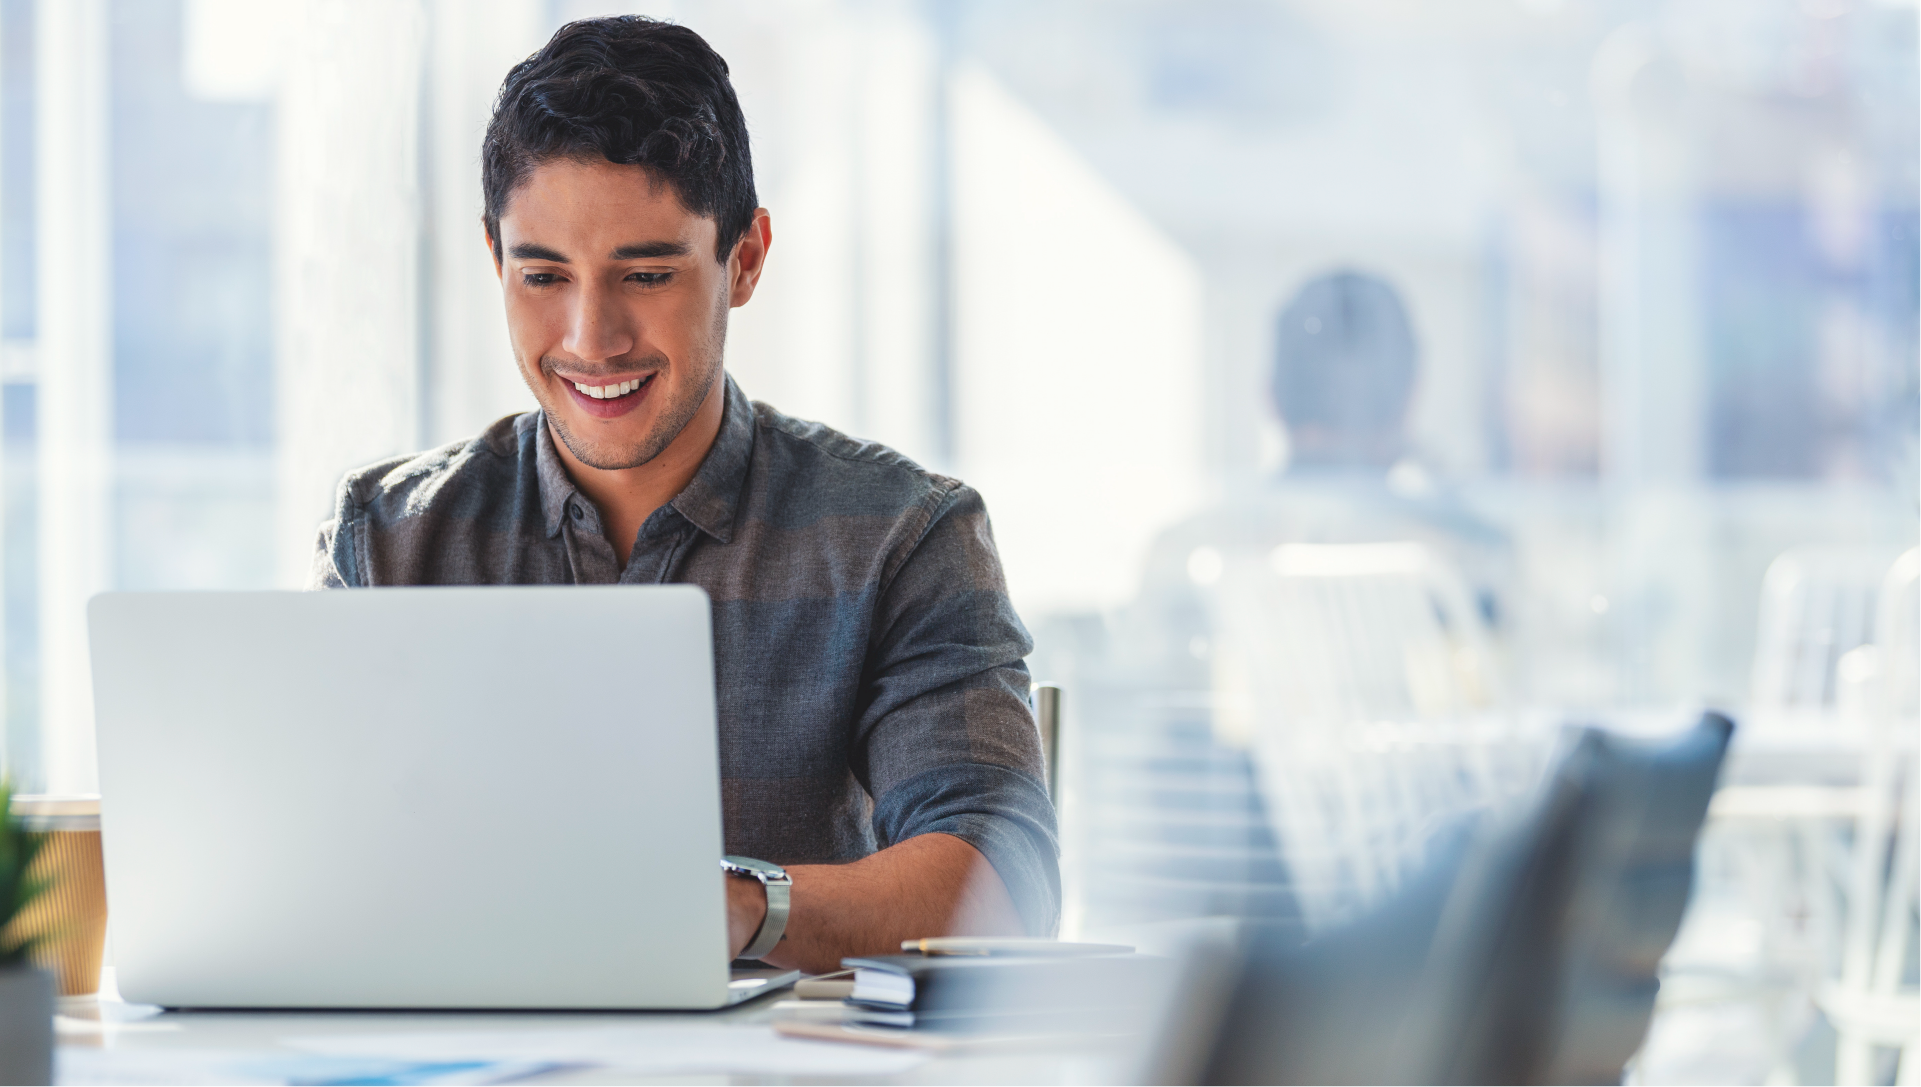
1214	689
874	731
1346	368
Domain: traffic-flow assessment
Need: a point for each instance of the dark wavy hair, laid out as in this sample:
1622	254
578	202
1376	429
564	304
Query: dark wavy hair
633	91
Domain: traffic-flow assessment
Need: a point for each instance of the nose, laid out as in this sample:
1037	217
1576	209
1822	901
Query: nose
598	327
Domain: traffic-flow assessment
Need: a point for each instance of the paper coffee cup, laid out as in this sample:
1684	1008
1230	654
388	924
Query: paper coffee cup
70	916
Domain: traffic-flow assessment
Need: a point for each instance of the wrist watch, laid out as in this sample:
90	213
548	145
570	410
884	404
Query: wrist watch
776	881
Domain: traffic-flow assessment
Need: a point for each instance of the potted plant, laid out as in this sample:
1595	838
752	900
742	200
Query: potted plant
26	992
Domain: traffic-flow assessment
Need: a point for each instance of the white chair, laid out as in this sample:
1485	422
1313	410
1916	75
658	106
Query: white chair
1786	844
1868	1003
1817	603
1361	679
1359	633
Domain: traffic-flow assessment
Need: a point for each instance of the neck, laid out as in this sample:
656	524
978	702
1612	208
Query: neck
626	497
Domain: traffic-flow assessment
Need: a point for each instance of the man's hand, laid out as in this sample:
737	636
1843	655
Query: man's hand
933	885
746	908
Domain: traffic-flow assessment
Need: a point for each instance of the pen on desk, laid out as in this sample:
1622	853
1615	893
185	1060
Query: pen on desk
968	945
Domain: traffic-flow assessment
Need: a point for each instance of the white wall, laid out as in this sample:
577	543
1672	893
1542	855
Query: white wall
75	353
1079	376
347	253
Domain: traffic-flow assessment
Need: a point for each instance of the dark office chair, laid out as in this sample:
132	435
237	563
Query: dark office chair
1525	953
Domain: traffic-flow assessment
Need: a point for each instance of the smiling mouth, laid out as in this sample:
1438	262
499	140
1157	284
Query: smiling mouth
614	391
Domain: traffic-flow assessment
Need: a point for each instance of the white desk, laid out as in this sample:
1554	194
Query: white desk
167	1042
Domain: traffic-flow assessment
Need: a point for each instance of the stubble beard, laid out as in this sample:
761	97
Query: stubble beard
611	458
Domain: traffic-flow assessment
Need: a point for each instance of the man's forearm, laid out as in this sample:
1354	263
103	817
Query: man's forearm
932	885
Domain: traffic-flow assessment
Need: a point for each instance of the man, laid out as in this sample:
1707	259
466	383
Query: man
874	734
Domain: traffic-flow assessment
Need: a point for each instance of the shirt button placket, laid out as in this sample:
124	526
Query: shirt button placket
595	563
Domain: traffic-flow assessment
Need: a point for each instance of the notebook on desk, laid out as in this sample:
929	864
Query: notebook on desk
414	798
1059	993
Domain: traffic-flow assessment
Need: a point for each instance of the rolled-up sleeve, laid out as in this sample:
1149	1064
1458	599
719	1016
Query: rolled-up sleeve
947	742
333	565
324	571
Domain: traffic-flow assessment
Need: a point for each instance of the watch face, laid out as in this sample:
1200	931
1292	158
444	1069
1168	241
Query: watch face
749	864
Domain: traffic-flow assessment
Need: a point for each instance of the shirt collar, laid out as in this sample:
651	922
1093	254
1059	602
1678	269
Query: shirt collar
710	500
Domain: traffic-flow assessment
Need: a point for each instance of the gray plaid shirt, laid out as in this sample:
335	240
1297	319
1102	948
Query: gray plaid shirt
869	664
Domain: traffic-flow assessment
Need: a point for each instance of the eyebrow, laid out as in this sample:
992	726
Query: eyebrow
529	251
651	249
642	251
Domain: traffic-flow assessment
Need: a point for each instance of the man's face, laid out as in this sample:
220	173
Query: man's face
616	306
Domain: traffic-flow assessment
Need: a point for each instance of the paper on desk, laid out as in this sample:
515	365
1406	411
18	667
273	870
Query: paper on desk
644	1050
84	1065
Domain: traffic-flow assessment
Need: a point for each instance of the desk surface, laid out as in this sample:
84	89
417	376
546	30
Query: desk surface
115	1042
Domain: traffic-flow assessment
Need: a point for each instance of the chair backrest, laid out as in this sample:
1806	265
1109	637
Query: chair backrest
1340	634
1817	603
1526	952
1547	972
1360	674
1883	881
1897	632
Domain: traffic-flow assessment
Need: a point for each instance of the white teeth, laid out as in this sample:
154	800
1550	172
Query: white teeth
608	392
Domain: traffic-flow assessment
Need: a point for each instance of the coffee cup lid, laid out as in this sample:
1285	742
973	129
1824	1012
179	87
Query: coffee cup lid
58	811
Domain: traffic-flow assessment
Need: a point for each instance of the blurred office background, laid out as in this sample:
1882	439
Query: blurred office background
1659	260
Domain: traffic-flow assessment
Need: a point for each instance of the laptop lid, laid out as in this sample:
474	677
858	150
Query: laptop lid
440	797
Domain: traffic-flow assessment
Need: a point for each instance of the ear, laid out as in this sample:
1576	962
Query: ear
749	258
493	251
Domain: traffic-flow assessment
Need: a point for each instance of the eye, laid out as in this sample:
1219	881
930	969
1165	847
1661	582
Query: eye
539	279
650	279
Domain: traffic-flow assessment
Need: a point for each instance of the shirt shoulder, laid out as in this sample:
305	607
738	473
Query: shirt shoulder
811	469
461	472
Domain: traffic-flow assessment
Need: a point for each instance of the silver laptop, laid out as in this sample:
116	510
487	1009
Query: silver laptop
414	798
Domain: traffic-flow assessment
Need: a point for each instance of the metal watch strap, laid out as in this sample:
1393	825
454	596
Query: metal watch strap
776	882
773	925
